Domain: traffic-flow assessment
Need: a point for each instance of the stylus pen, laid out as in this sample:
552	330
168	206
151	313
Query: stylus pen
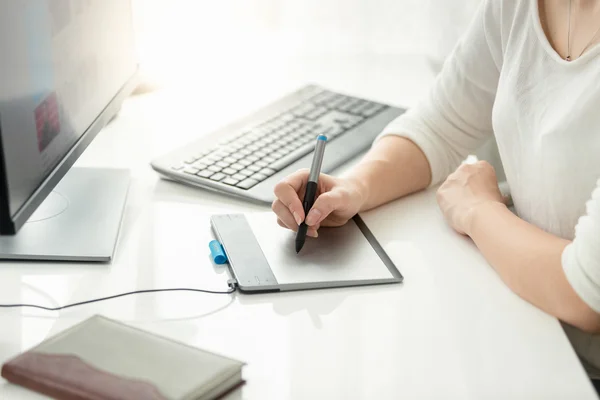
311	188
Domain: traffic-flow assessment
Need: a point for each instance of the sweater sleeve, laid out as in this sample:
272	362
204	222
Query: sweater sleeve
455	118
581	258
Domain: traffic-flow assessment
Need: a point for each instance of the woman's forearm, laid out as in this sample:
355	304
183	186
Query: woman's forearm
528	260
393	168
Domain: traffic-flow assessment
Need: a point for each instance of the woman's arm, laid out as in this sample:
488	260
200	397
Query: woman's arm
376	173
424	145
529	260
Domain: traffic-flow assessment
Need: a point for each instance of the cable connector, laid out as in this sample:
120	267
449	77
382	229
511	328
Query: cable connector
232	283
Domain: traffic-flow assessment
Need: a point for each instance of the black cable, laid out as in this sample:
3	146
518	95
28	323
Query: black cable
233	289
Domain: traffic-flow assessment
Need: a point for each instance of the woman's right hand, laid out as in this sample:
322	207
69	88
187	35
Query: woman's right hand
338	200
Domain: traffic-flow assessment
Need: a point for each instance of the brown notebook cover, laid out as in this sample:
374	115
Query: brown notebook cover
102	359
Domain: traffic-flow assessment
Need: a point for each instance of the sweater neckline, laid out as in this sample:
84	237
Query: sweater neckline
545	42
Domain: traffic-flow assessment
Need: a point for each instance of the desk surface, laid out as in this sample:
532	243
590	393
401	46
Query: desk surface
451	330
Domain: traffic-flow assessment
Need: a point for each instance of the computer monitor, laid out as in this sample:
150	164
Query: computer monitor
65	68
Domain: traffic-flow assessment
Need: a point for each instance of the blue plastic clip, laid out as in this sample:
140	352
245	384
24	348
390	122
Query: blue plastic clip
218	252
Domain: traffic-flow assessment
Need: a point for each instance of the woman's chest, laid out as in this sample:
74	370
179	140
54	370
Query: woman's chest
547	124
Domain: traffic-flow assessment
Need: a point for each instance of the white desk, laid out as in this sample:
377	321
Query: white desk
451	331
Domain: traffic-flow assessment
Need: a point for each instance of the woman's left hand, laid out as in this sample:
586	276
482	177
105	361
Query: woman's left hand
466	190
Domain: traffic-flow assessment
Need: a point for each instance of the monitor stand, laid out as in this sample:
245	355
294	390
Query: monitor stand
78	221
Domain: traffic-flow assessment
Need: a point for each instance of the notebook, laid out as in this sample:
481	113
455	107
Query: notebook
104	359
262	255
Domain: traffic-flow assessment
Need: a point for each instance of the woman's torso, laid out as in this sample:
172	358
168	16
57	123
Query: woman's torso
546	120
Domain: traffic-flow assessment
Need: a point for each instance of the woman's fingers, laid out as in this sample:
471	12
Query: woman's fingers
325	205
287	191
284	216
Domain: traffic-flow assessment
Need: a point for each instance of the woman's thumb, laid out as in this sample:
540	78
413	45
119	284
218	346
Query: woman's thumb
324	205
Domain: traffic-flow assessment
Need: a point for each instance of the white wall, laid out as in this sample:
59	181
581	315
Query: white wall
180	29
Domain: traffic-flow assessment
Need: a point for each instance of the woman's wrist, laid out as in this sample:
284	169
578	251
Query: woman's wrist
359	189
480	213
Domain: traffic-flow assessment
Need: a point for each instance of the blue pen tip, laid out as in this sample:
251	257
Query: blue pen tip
322	137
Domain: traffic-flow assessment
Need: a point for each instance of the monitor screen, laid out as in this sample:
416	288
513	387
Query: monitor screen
61	63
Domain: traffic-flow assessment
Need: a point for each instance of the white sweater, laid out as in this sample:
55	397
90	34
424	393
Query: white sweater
505	79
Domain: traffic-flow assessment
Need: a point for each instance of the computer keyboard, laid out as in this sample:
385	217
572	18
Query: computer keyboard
243	159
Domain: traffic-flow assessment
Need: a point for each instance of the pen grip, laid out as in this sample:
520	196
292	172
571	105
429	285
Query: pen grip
309	197
302	230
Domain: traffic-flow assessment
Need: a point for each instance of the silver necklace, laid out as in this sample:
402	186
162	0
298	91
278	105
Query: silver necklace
568	57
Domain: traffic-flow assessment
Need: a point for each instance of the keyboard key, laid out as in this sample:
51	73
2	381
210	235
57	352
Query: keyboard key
252	158
369	112
253	147
246	172
335	131
357	107
303	109
245	162
263	142
189	160
286	117
293	156
259	177
261	163
245	152
269	159
224	152
230	181
322	130
237	156
218	176
316	113
177	167
247	183
237	166
338	101
239	177
323	97
278	154
230	160
260	154
223	164
199	165
267	171
206	161
229	171
292	125
254	168
202	153
285	141
296	134
205	173
191	170
350	105
214	168
214	157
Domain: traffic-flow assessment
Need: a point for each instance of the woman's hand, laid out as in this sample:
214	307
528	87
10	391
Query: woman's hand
338	200
468	189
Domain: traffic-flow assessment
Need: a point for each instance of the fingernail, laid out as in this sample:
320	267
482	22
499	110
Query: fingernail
312	233
297	218
313	217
